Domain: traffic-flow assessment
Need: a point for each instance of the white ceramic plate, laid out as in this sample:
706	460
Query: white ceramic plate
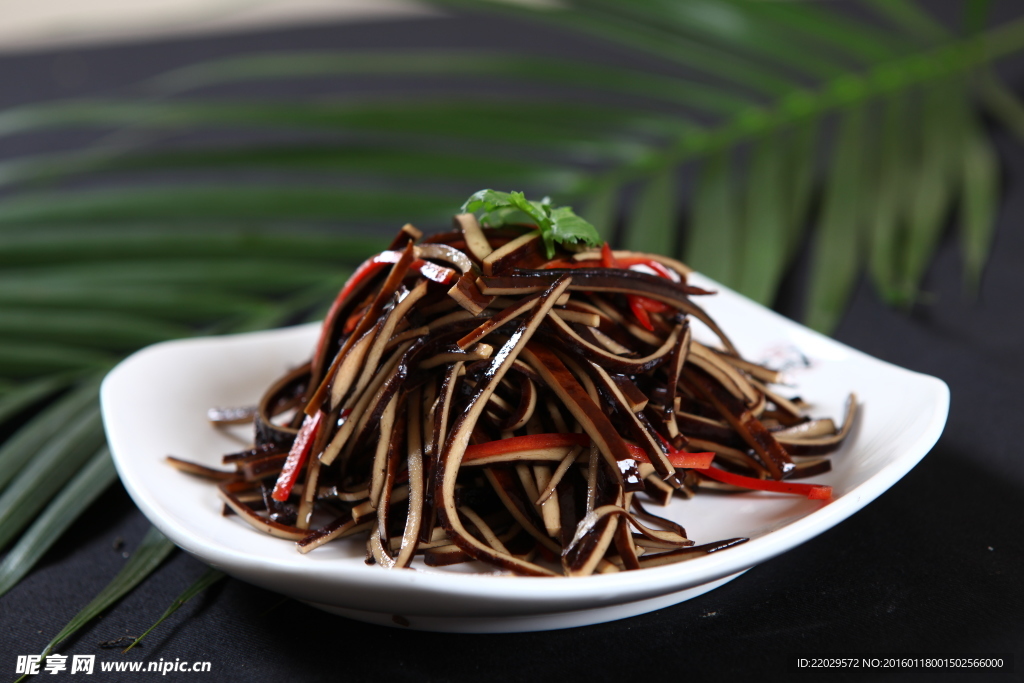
155	402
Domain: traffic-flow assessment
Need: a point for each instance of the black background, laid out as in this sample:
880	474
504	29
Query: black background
932	566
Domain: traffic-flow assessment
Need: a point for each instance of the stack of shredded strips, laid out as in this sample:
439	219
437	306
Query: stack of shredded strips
487	394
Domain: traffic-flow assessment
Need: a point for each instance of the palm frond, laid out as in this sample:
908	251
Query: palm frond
152	551
714	239
209	577
94	477
652	225
130	241
980	169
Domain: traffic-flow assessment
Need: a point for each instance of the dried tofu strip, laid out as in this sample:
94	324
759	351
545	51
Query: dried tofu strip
358	409
397	314
476	241
424	372
498	319
759	372
523	247
458	440
727	375
620	319
771	452
367	509
340	528
414	462
823	444
608	343
412	333
385	453
201	470
586	411
502	483
638	428
391	284
680	268
563	467
228	495
351	367
609	360
691	553
484	529
808	430
442	407
781	402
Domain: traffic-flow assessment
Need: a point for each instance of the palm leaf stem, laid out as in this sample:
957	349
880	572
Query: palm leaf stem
209	577
843	93
151	552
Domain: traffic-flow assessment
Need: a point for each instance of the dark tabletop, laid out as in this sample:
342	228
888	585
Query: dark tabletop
932	566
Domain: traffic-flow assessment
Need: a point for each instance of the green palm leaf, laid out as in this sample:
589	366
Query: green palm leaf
153	550
375	63
209	577
893	175
90	482
743	94
714	236
653	223
840	237
941	148
980	170
765	223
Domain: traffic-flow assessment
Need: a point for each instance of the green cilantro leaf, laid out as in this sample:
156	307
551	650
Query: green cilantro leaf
556	223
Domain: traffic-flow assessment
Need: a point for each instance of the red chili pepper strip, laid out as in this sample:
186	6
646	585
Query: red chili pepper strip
532	442
812	491
607	257
679	459
652	305
653	265
691	461
369	268
562	263
296	457
536	442
432	271
353	320
366	269
635	304
639	312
